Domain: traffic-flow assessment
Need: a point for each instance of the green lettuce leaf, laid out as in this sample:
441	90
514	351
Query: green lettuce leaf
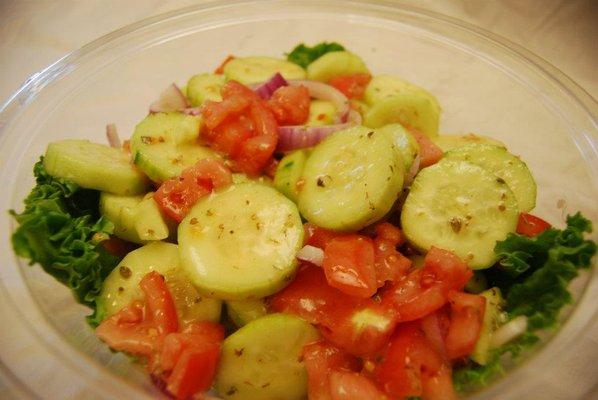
304	55
60	229
534	274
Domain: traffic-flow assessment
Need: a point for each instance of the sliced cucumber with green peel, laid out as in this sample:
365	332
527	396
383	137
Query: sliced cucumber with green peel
262	360
409	109
336	63
492	313
121	287
461	207
242	312
504	165
321	112
288	173
248	70
94	166
351	180
204	87
404	142
164	144
241	242
136	219
450	142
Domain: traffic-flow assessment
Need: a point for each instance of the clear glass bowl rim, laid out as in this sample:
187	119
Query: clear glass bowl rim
18	101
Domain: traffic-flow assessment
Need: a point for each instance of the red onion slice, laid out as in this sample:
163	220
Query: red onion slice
311	254
293	137
322	91
171	99
112	136
195	111
266	89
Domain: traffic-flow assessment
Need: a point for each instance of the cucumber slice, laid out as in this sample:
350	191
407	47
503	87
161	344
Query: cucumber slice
494	304
409	109
289	172
404	142
250	70
136	219
94	166
459	206
321	112
121	287
262	360
449	142
351	180
504	165
241	242
384	86
204	87
334	64
164	144
242	312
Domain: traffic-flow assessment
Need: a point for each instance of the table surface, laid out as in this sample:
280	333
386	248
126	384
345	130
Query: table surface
34	34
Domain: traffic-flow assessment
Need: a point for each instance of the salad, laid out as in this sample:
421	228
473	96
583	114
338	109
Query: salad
298	228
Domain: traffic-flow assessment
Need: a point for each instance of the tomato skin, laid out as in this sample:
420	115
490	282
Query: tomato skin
176	196
349	265
290	105
467	315
530	225
389	232
446	267
194	371
320	358
319	237
428	151
411	367
353	386
117	247
353	86
435	328
160	305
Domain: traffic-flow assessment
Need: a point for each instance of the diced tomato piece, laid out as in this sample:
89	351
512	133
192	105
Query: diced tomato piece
216	112
349	265
200	332
318	237
353	86
435	328
346	385
290	105
161	310
446	267
467	315
410	366
530	225
358	326
194	370
117	247
139	329
390	264
429	152
176	196
389	232
320	358
230	135
438	385
220	69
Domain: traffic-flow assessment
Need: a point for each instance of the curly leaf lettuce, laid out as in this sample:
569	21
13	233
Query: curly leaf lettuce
60	228
304	55
534	274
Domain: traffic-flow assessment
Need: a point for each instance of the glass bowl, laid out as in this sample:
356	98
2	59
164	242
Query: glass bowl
485	84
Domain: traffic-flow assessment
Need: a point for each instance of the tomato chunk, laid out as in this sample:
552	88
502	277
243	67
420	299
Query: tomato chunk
242	126
349	265
290	105
319	237
320	359
530	225
428	151
346	385
176	196
467	315
353	86
390	264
